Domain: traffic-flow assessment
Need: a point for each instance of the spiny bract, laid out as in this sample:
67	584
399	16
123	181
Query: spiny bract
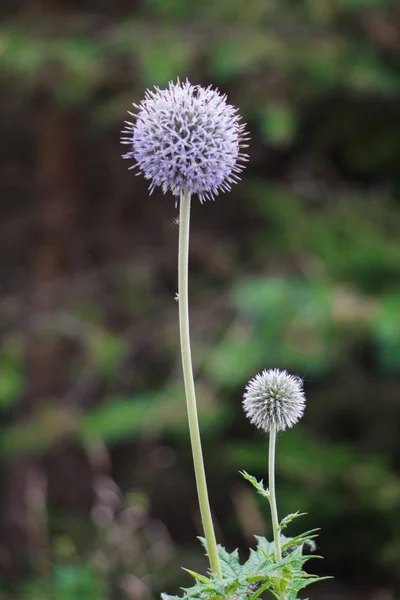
274	399
186	138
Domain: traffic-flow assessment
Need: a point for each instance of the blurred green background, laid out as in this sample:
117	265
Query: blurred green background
298	268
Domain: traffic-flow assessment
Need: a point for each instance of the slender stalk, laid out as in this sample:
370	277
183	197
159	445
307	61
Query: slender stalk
272	503
183	259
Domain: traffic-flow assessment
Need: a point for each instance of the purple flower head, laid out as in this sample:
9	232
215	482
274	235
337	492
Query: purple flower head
274	399
186	139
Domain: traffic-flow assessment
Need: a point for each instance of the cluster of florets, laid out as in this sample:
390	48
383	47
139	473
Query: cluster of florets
186	139
274	399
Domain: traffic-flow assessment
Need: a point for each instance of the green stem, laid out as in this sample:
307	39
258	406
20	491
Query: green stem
183	259
272	503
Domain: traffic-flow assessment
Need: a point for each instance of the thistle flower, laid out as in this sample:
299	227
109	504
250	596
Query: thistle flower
186	139
274	399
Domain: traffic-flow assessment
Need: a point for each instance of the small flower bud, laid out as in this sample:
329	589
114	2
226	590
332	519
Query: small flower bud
274	399
186	138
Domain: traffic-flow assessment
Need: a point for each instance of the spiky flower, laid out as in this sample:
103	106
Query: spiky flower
274	399
186	139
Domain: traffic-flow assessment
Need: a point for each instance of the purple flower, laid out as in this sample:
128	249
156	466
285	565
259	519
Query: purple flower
274	399
186	139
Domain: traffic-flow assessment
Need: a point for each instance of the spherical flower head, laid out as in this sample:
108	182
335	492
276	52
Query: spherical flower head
274	399
186	139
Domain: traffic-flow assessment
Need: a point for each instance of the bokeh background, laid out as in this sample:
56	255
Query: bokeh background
298	268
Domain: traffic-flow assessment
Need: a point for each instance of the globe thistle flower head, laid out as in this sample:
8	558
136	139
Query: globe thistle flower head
186	138
274	399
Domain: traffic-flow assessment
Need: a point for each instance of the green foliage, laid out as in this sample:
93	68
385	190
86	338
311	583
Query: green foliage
357	485
282	317
66	582
353	237
164	55
385	328
106	351
11	376
259	486
278	123
259	573
118	419
305	324
77	59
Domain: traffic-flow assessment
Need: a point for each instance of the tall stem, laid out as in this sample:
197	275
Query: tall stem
183	259
272	503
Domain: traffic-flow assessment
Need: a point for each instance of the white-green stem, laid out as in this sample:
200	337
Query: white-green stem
272	502
183	260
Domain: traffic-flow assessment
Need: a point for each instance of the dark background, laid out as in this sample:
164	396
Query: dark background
298	268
